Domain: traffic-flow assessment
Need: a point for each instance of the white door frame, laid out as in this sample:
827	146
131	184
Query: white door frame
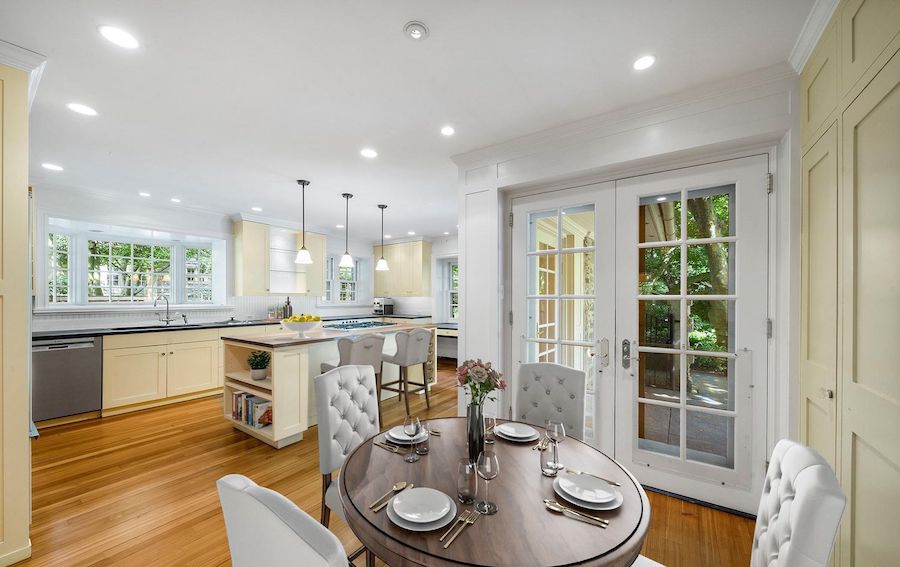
738	488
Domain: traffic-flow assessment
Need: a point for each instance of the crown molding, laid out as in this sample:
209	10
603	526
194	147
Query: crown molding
812	30
25	60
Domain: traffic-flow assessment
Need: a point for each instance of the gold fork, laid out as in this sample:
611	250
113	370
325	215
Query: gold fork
462	518
473	517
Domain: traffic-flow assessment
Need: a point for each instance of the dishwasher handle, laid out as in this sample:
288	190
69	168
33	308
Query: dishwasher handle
46	346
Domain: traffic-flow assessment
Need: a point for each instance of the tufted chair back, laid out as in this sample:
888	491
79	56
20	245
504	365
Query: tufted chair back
265	528
412	347
799	511
546	391
347	408
364	350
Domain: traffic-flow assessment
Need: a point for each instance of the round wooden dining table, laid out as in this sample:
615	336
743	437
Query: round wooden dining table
522	533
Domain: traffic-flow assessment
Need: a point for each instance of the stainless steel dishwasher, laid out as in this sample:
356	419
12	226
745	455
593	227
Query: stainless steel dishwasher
66	377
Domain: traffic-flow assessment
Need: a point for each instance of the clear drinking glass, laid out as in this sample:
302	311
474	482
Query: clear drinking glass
547	468
556	431
422	447
466	481
490	422
488	468
412	427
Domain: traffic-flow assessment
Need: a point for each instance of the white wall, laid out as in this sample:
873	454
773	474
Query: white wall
753	113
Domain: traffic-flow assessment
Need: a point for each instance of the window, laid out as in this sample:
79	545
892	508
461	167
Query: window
453	288
341	284
126	272
198	275
58	268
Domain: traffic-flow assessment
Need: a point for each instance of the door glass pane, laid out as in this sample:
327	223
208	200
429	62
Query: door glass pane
542	352
660	218
577	277
709	384
709	439
709	213
578	226
579	358
660	377
659	323
543	231
659	271
659	429
710	270
710	324
542	273
542	319
576	320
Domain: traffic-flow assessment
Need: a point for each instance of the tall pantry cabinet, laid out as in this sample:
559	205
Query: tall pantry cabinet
850	270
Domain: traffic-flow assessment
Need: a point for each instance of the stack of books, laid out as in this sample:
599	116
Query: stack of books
252	410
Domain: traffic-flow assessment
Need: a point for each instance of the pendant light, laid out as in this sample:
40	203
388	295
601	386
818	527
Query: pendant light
382	265
303	255
347	259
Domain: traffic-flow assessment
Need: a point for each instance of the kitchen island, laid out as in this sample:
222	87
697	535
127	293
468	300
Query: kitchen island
289	388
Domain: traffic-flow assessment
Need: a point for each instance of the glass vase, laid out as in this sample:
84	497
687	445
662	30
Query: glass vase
475	430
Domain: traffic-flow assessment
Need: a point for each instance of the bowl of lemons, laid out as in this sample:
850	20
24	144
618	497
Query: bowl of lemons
302	324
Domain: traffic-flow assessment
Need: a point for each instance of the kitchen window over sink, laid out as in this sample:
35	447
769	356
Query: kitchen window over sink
98	268
341	284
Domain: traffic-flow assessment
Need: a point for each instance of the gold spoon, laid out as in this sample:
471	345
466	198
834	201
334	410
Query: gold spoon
398	486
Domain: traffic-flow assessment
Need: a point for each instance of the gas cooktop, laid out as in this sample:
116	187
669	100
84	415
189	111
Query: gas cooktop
352	325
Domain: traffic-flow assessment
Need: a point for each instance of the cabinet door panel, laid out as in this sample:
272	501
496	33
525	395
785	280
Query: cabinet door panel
819	84
133	375
867	27
251	258
192	367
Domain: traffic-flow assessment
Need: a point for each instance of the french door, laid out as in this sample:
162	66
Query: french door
656	287
564	277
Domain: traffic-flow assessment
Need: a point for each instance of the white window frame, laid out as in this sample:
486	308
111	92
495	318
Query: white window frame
333	282
448	302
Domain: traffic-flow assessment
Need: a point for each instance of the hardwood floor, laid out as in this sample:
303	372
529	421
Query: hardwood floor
139	490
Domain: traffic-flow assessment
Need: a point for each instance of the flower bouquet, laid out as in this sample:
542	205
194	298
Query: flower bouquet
480	379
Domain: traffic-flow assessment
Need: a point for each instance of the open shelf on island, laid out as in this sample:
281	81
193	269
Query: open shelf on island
264	433
249	389
244	377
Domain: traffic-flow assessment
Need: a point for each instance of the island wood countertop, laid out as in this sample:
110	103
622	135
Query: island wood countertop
290	339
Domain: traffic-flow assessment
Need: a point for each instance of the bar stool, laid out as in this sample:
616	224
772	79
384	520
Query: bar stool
365	350
412	350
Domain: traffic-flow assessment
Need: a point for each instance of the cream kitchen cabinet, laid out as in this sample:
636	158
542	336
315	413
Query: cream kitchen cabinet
410	270
264	260
151	368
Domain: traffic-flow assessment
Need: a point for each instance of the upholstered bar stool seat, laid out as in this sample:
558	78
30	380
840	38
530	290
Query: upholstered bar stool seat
364	350
412	350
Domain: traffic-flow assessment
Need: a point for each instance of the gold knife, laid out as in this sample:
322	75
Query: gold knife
473	517
612	482
388	501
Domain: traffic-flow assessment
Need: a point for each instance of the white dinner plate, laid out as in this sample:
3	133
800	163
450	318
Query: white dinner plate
516	430
421	505
587	488
534	437
397	435
612	505
414	527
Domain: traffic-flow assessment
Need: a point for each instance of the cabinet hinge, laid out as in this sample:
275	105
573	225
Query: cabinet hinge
510	220
770	183
510	317
769	327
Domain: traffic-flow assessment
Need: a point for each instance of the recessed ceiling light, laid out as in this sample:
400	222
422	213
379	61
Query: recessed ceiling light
144	194
446	233
411	233
52	166
368	153
119	37
661	199
417	31
388	236
338	226
448	131
644	62
175	200
81	109
256	209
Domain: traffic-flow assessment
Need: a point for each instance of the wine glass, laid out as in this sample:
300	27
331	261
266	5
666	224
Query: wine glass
556	431
488	468
412	427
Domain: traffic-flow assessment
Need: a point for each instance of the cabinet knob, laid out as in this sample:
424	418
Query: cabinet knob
828	393
162	354
171	352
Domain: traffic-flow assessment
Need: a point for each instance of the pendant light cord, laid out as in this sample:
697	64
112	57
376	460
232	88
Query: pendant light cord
303	213
347	225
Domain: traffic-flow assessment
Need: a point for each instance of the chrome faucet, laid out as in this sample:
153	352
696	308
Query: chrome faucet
168	319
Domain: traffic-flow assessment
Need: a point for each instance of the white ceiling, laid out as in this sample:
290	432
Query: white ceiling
225	105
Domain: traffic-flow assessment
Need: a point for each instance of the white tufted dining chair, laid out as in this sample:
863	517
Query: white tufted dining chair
412	350
265	528
799	511
546	391
365	350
